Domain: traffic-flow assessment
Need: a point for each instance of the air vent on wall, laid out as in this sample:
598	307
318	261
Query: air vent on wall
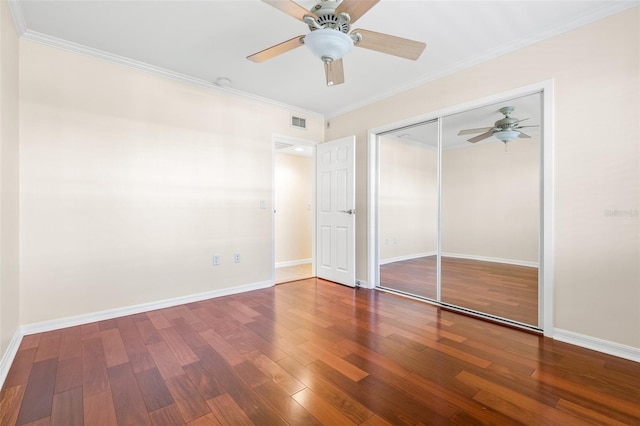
299	122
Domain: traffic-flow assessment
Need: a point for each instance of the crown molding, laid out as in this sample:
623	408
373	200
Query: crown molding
20	24
18	17
581	20
81	49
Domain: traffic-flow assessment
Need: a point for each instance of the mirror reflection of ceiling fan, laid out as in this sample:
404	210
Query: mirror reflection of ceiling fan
330	36
505	129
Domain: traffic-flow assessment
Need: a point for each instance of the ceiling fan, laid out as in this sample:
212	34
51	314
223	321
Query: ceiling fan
505	129
330	36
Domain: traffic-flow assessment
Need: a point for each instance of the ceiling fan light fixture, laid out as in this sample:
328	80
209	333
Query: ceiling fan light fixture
328	44
506	135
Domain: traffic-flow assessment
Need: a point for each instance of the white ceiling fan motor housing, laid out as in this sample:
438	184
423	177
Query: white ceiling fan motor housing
327	18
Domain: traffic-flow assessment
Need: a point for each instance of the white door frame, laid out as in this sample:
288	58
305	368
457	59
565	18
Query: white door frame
294	141
546	258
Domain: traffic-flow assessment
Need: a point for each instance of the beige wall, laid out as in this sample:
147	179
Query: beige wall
130	183
490	200
596	75
408	199
293	218
9	179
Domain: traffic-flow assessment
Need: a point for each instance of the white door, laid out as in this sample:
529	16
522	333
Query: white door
335	222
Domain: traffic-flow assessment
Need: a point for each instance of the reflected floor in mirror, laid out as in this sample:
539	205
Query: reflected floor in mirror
413	276
498	289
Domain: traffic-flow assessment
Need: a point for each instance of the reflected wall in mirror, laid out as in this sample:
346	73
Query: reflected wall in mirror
408	209
490	201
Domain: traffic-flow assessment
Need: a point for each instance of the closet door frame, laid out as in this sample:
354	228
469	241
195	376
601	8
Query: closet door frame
545	247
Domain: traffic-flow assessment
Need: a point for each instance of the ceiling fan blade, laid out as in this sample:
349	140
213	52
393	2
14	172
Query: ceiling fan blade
483	136
522	127
472	131
276	50
523	135
524	119
391	45
291	8
334	72
355	8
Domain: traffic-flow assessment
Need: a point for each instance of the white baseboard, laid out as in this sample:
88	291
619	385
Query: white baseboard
9	355
292	263
600	345
56	324
407	257
492	259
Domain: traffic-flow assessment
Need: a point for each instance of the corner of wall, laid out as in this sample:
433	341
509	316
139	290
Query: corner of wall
9	186
9	355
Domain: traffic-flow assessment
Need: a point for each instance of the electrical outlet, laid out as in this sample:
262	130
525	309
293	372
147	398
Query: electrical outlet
263	204
216	260
236	258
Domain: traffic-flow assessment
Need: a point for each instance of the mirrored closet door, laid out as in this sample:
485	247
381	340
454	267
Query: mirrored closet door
408	209
490	201
458	222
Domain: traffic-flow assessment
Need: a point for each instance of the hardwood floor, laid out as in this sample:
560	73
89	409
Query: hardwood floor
506	291
414	276
312	352
293	273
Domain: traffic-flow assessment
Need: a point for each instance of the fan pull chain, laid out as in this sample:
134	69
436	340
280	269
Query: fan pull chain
506	150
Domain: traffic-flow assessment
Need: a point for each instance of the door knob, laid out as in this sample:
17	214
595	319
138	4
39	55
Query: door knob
350	211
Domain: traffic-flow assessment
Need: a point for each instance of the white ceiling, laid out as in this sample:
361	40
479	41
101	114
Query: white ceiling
204	40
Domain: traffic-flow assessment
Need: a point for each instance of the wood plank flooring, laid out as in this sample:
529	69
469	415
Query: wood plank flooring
293	273
312	352
506	291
